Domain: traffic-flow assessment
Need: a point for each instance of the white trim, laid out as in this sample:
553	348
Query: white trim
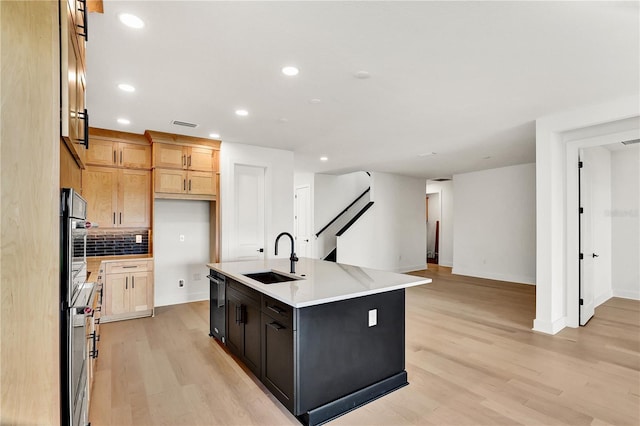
519	279
625	294
600	299
191	297
549	327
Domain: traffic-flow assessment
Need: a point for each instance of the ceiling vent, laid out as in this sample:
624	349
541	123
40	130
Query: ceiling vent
441	179
184	124
631	142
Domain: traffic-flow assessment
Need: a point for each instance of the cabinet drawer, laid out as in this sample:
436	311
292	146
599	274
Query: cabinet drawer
248	294
277	310
129	266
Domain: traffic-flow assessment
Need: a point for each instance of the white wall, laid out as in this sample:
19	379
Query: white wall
495	224
175	259
556	202
333	193
625	200
391	234
445	189
279	191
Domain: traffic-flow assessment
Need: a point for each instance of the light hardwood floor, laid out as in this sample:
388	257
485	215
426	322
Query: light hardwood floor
471	358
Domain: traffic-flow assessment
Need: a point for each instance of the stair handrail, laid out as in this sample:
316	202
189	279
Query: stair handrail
354	219
342	212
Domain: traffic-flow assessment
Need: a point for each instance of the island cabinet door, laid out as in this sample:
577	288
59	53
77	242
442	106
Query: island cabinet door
235	327
277	361
252	355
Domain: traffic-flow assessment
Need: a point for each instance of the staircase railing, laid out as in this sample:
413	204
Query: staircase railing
324	228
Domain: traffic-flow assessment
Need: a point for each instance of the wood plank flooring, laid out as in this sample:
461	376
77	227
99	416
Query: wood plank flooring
471	358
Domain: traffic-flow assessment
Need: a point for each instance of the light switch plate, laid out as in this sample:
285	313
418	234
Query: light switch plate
181	238
138	239
373	317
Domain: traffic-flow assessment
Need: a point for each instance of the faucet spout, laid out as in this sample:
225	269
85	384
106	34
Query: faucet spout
293	258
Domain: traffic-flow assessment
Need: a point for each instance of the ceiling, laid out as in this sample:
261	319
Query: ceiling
465	80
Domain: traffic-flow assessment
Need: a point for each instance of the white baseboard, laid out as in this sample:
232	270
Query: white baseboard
520	279
188	298
405	269
627	294
599	300
549	327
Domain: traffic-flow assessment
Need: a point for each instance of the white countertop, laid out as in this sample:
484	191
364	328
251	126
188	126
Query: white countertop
320	281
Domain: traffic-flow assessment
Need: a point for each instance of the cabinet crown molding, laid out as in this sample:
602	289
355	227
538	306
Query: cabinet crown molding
171	138
118	136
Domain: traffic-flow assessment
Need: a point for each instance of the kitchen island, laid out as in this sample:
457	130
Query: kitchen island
326	341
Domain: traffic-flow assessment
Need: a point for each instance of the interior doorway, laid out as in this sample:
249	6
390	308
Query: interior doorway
433	219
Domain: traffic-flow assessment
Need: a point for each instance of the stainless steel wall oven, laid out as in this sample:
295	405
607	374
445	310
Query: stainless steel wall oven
75	307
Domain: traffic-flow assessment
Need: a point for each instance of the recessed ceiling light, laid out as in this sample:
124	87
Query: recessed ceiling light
123	121
426	154
214	135
131	20
242	112
290	71
324	158
126	87
362	75
314	101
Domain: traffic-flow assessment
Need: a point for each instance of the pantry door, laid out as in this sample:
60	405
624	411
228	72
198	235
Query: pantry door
249	212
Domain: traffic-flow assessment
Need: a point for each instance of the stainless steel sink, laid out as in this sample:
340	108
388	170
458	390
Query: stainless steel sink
270	277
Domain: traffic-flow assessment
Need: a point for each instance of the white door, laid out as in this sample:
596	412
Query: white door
249	212
586	302
303	221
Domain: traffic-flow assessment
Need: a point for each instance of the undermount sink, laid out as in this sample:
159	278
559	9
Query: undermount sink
270	277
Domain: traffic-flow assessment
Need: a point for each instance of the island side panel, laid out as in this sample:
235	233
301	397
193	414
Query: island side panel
338	353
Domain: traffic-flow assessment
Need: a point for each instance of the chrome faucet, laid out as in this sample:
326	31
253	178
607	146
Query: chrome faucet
293	257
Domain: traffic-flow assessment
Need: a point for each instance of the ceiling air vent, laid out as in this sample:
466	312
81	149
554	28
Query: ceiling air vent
631	142
441	179
184	124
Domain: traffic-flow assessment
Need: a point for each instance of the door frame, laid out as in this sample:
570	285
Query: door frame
311	243
572	248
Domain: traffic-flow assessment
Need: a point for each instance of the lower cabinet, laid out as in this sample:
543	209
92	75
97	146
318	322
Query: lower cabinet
277	359
243	324
128	289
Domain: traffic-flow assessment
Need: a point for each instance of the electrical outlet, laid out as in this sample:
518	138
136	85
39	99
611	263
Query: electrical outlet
180	283
373	317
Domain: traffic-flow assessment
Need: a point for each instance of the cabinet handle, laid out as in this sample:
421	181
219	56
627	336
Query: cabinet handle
276	326
120	218
84	34
114	156
184	184
189	184
96	322
126	283
84	115
121	157
189	162
114	218
184	160
129	266
238	315
276	310
133	282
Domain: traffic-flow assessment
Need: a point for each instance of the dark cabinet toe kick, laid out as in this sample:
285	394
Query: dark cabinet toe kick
337	408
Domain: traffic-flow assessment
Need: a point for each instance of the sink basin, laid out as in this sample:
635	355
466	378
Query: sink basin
270	277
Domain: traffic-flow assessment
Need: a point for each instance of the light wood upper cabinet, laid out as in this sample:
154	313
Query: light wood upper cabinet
169	181
104	152
100	189
74	117
117	197
134	198
169	156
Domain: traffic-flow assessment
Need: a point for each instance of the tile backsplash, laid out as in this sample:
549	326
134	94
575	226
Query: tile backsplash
114	242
